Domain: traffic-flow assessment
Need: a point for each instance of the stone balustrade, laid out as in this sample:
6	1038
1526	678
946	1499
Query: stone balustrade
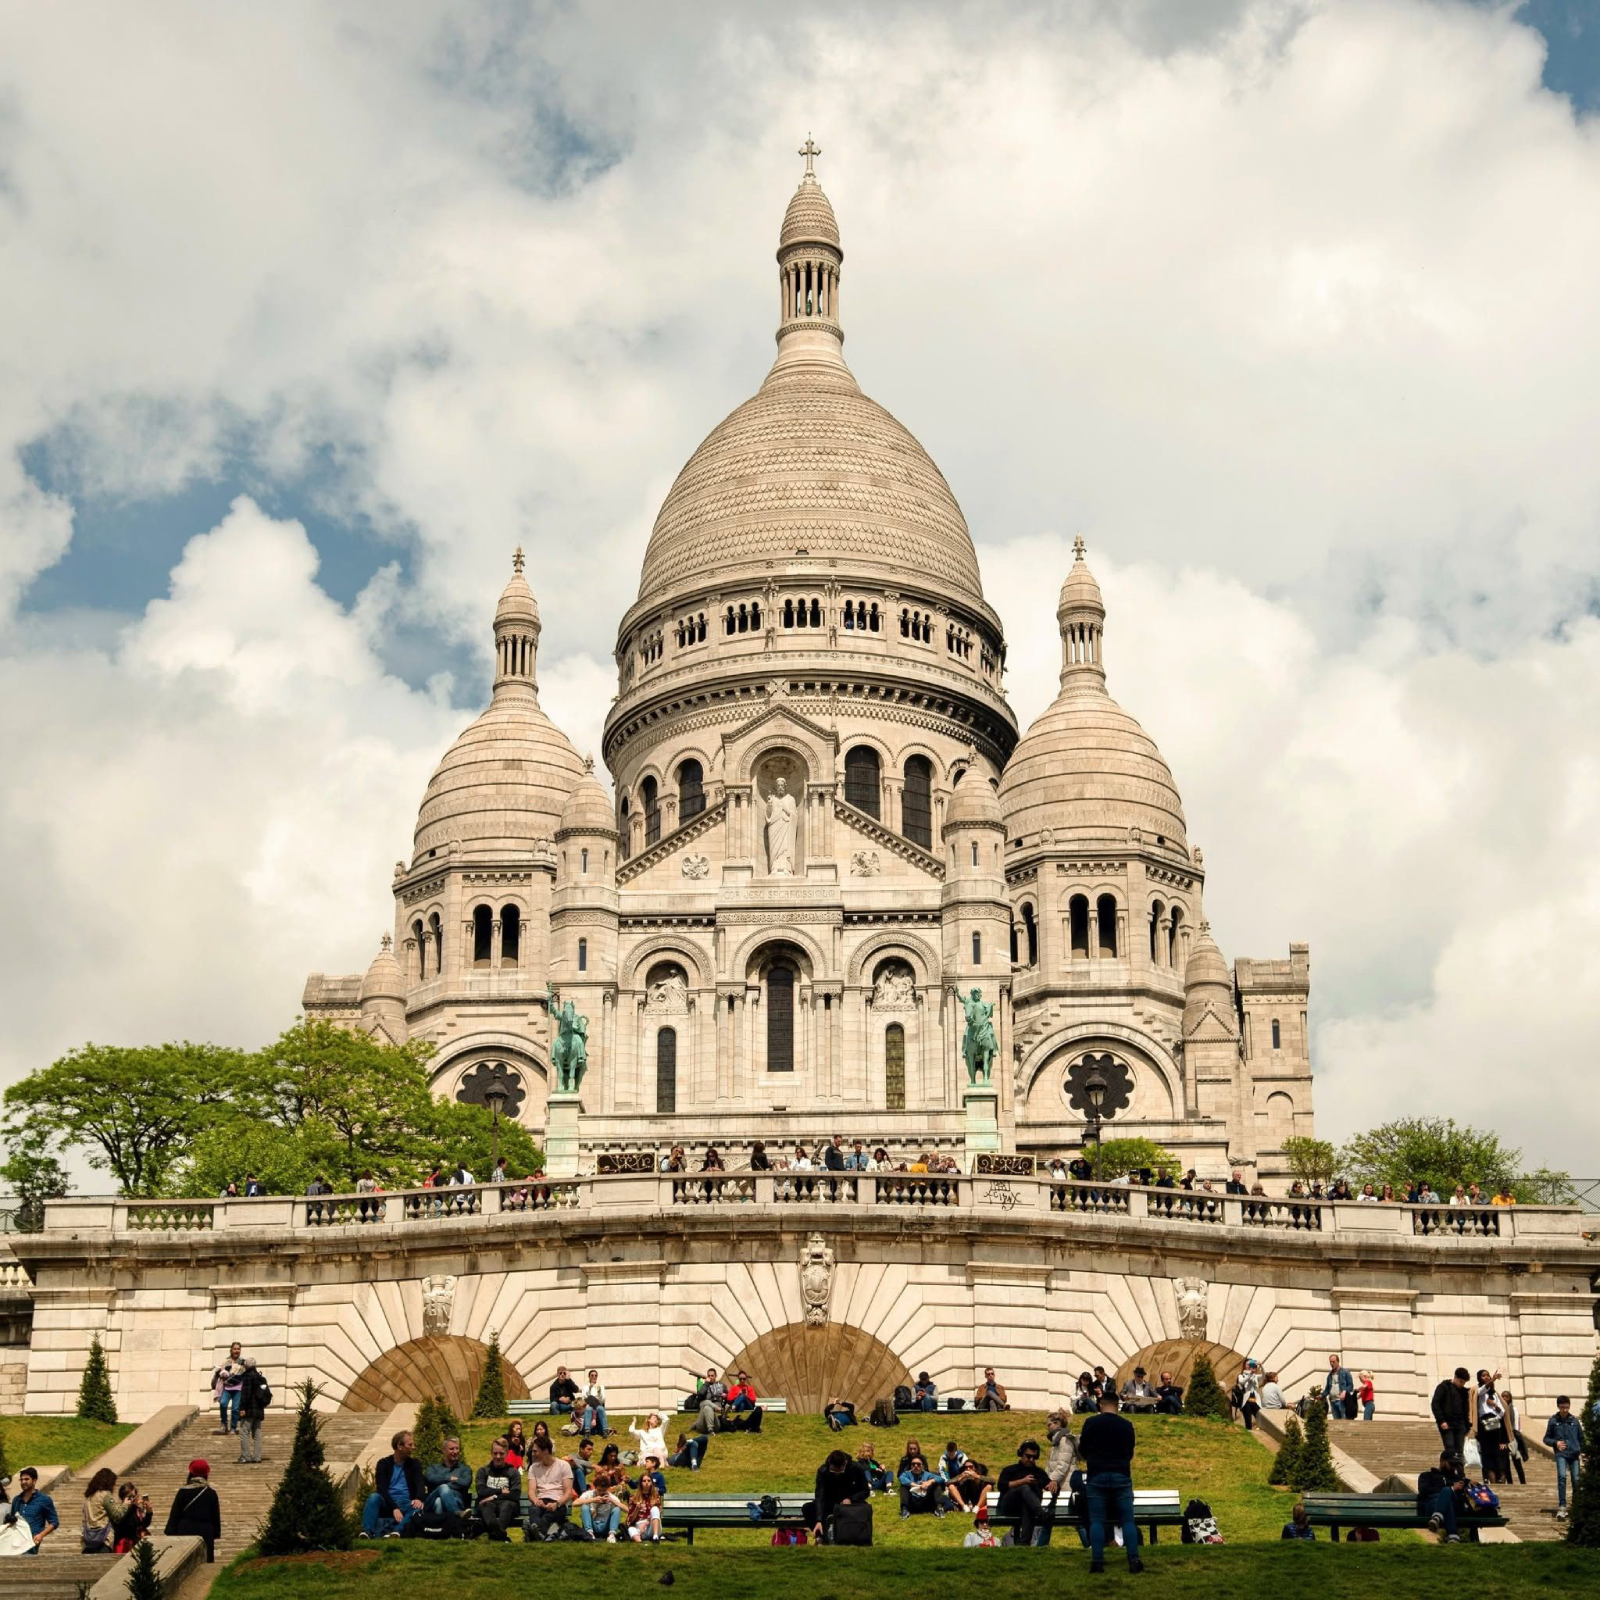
1184	1210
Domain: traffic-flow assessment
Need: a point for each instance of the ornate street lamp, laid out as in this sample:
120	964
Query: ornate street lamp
495	1097
1094	1091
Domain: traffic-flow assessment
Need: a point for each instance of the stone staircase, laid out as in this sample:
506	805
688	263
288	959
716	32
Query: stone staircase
245	1492
1410	1447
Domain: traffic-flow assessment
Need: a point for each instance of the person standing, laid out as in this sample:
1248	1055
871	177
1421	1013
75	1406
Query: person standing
1564	1434
1107	1444
196	1511
35	1510
1452	1412
1516	1446
1366	1394
254	1397
1490	1412
99	1513
1339	1390
227	1382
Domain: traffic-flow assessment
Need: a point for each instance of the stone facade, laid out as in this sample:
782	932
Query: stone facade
824	824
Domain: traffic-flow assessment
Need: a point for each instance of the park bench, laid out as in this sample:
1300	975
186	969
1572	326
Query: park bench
691	1511
1336	1511
1152	1509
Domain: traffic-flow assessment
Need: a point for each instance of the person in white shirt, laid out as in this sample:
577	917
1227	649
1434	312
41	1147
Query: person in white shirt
593	1415
652	1436
1367	1197
1271	1395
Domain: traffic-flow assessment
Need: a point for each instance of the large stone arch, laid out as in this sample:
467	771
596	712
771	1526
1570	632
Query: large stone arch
775	932
808	1365
1178	1357
894	942
437	1364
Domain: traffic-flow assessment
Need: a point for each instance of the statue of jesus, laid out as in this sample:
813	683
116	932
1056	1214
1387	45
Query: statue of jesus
780	830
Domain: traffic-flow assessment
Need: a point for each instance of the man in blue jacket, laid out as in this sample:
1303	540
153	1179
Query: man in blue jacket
1339	1390
1564	1434
397	1491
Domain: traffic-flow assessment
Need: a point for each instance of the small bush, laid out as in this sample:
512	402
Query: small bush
491	1401
1313	1472
1204	1396
94	1393
144	1582
436	1422
1288	1456
307	1512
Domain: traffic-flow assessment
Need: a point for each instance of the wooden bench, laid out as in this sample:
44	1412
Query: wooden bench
691	1511
1336	1511
1153	1508
529	1408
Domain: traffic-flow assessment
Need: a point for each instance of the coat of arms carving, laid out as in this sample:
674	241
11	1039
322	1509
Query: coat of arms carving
438	1296
1191	1293
816	1278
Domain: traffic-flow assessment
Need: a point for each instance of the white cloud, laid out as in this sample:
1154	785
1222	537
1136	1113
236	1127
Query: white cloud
1287	307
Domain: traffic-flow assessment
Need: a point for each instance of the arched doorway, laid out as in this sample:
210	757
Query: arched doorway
1177	1356
807	1365
440	1364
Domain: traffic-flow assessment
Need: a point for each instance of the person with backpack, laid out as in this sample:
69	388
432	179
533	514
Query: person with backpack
839	1482
255	1395
1438	1490
1107	1444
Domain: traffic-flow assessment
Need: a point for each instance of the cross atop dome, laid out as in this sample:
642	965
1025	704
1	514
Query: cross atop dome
810	150
517	558
1078	547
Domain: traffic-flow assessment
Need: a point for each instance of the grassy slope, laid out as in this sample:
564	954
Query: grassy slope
40	1441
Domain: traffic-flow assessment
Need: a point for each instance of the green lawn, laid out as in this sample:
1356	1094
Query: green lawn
894	1569
49	1441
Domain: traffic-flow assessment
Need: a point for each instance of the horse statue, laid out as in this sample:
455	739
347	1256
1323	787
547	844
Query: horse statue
978	1043
569	1046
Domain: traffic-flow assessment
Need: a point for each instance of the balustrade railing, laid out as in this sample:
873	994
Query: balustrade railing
1303	1216
714	1189
1465	1222
1102	1199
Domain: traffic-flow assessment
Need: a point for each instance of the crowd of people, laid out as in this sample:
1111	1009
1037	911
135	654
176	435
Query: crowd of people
114	1516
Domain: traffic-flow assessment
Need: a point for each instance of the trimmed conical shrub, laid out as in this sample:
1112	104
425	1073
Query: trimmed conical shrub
1204	1396
1313	1470
94	1393
1288	1456
144	1582
1583	1514
307	1511
491	1401
436	1422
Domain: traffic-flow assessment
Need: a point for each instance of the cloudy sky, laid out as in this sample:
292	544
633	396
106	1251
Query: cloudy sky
312	312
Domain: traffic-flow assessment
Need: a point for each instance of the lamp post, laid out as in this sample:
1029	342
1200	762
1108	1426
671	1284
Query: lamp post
495	1097
1094	1091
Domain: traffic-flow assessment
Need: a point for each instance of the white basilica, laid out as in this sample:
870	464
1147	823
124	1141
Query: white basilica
826	825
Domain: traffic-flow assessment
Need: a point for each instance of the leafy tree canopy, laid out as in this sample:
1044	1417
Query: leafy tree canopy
33	1174
1445	1153
1311	1160
1118	1156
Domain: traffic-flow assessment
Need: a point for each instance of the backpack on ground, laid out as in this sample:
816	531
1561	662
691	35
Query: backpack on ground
852	1524
884	1415
433	1525
955	1403
789	1536
903	1398
1199	1524
1481	1499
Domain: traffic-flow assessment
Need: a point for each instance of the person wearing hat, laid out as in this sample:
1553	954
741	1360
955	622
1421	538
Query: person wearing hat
1138	1394
196	1511
1249	1392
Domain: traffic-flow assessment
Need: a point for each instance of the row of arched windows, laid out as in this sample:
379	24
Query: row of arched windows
691	630
650	649
916	625
802	613
746	619
1166	923
958	641
428	936
691	781
483	920
858	614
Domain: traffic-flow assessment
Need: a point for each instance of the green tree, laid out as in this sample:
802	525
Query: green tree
1583	1514
436	1422
1435	1148
1204	1396
307	1511
94	1391
1288	1455
1310	1160
134	1111
1313	1467
144	1582
491	1401
466	1133
1118	1156
284	1160
33	1174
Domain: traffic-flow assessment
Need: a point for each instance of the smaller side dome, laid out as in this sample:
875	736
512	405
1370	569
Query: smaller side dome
384	979
588	808
1207	967
1207	987
975	803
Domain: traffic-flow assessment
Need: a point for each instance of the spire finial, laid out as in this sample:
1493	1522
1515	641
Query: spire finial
810	150
588	765
517	559
388	944
1079	547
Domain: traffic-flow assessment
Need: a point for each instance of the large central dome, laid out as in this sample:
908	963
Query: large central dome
809	468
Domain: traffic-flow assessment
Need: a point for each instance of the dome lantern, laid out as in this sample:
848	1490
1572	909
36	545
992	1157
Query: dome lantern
516	633
1081	614
809	259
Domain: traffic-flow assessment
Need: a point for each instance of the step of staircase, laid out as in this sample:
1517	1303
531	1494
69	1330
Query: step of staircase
35	1578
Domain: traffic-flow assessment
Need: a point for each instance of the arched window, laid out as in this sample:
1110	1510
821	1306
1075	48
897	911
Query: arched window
974	852
788	614
436	929
816	613
872	617
916	802
510	934
419	937
850	614
1014	958
625	848
1030	930
482	936
744	620
894	1067
905	624
667	1069
728	622
1174	949
691	790
583	955
863	779
755	615
583	859
1106	914
780	1018
1280	1121
1277	1035
1078	915
977	949
651	802
1156	912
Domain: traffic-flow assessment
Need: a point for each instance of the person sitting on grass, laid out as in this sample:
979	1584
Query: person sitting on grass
650	1467
517	1451
447	1483
912	1450
603	1503
968	1487
921	1490
878	1476
643	1516
990	1395
580	1463
652	1437
690	1451
950	1460
397	1490
541	1435
498	1493
841	1413
1298	1526
1021	1490
839	1482
1085	1400
550	1493
563	1392
1169	1397
742	1395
